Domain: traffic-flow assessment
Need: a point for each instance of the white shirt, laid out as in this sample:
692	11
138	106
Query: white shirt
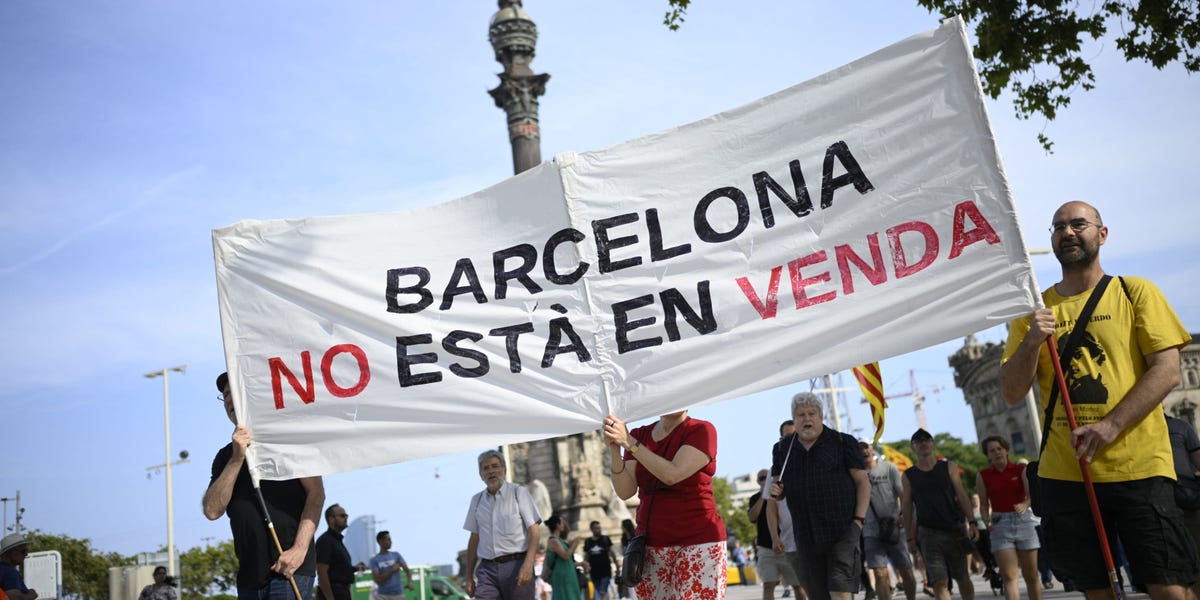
502	521
785	519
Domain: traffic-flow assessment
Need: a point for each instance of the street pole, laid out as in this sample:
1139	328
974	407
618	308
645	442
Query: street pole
167	437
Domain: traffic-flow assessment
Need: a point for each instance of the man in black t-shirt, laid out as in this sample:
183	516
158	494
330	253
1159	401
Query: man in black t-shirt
601	558
335	574
294	506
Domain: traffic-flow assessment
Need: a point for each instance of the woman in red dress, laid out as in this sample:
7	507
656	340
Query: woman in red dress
670	465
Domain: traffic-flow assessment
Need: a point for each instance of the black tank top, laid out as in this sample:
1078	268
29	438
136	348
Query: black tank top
933	495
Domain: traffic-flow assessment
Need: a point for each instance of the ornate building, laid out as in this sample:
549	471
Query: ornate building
977	373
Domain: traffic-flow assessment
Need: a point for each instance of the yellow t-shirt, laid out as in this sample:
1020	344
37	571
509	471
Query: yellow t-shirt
1107	364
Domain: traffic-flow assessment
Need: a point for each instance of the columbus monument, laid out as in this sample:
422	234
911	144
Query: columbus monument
567	475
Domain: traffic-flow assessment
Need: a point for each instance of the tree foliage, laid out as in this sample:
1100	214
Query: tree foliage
1033	48
84	568
734	515
208	571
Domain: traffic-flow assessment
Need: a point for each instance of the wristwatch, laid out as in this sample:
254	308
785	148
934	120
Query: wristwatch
633	448
861	521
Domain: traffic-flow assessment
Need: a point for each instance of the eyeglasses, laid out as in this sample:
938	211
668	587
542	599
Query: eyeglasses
762	479
221	398
1076	225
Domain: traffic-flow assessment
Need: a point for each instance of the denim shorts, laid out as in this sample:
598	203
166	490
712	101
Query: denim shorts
1014	530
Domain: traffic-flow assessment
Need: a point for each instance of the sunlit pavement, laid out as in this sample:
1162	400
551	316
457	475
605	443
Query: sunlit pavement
982	592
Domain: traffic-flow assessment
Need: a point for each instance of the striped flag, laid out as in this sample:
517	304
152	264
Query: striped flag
896	457
872	389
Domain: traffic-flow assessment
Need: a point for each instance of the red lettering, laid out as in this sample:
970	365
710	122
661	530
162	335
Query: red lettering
876	272
306	393
766	308
799	283
899	260
364	371
982	231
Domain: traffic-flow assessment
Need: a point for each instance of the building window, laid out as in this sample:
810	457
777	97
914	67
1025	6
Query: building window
1018	442
1191	380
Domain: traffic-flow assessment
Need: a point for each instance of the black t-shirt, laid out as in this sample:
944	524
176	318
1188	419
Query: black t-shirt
763	539
331	550
596	551
251	541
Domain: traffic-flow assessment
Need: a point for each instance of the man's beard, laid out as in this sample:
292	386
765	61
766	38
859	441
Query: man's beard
1078	255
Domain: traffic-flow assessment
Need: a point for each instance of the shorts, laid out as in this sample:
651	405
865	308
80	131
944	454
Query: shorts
879	553
945	557
774	568
1142	513
1014	530
601	585
832	567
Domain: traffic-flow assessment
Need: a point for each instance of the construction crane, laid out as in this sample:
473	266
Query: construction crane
918	398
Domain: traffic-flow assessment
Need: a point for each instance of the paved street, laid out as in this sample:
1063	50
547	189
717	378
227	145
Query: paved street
982	592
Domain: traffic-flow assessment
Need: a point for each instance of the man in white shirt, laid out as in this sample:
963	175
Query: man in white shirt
503	522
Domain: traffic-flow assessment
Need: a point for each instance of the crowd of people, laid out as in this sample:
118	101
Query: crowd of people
829	515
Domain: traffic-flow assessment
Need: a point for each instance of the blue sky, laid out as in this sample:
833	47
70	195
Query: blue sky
131	130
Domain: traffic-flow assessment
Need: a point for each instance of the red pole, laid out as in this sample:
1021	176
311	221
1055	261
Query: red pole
1114	583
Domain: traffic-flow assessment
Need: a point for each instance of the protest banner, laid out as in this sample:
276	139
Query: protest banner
854	217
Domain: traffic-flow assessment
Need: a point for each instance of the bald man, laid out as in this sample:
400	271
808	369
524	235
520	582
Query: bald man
1117	376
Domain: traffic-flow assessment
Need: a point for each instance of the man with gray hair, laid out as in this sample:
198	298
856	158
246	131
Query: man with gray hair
820	472
503	522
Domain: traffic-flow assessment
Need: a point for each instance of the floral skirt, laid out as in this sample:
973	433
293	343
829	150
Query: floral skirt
695	572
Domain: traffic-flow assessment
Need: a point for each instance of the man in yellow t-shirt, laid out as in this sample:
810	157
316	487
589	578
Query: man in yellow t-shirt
1126	363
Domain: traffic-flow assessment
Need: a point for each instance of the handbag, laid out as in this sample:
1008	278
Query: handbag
634	565
548	565
889	529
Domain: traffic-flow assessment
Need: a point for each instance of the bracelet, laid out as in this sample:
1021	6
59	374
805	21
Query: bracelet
618	472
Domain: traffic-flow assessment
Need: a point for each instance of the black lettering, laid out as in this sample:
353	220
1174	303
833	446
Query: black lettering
463	268
404	360
548	266
657	252
705	230
528	255
558	327
620	312
604	244
800	206
510	335
672	300
394	290
853	175
450	344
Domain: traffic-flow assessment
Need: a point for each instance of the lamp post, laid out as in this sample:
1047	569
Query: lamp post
167	437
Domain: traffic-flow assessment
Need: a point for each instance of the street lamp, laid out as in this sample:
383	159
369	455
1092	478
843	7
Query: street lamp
167	437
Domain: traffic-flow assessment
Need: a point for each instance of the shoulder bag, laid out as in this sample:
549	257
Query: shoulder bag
1064	357
633	566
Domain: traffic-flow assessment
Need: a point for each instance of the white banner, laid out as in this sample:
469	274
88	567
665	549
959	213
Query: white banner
857	216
